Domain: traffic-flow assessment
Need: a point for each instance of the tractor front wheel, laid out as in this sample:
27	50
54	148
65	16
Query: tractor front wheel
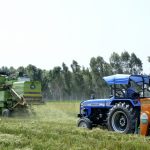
121	118
84	123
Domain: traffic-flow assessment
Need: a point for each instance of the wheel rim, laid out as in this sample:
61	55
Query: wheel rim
119	121
83	125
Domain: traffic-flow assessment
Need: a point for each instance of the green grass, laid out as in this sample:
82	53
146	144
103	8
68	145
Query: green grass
54	127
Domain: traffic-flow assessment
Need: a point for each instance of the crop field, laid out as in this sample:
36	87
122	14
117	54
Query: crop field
54	128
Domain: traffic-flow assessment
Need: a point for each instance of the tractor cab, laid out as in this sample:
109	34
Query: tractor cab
129	86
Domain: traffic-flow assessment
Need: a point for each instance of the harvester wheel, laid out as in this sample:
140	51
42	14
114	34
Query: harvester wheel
84	123
121	118
6	113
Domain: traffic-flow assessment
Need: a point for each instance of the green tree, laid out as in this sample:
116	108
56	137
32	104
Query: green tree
56	83
34	73
99	69
45	85
77	81
135	65
88	84
21	71
5	70
115	62
125	62
12	70
67	78
31	71
148	58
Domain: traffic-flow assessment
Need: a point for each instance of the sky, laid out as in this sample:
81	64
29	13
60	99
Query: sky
46	33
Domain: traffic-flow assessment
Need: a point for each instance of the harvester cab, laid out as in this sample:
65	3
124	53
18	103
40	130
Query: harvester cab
126	111
18	95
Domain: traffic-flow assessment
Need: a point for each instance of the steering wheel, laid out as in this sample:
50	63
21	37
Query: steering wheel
119	93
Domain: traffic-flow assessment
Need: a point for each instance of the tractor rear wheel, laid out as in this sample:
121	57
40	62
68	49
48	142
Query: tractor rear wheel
84	123
121	118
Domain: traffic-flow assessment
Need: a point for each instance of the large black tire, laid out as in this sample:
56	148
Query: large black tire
84	123
121	118
6	113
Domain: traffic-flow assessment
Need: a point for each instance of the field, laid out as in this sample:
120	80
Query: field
54	127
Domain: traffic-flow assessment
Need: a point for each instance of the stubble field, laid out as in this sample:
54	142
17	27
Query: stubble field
54	128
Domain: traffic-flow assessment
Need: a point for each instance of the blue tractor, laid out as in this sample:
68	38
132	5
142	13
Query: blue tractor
121	111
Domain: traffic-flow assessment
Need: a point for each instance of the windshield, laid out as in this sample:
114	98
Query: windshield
143	88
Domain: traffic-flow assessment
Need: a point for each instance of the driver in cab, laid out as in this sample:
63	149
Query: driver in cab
131	93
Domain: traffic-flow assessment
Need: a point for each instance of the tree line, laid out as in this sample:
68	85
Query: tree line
62	83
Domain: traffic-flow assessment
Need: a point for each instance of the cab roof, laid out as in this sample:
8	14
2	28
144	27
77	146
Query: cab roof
125	78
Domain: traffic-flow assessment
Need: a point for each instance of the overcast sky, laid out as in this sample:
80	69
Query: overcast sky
46	33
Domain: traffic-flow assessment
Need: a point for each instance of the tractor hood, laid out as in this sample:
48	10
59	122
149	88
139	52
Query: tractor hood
124	79
96	102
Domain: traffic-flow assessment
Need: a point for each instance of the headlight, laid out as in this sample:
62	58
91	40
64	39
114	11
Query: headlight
81	104
144	118
83	110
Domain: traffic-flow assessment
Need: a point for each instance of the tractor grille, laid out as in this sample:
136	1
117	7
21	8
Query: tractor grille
33	100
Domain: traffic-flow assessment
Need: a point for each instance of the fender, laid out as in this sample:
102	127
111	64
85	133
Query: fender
133	103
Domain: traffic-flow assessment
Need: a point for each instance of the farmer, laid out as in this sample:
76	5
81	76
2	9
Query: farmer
131	93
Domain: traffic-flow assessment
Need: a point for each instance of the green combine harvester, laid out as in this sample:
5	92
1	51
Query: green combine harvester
18	96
